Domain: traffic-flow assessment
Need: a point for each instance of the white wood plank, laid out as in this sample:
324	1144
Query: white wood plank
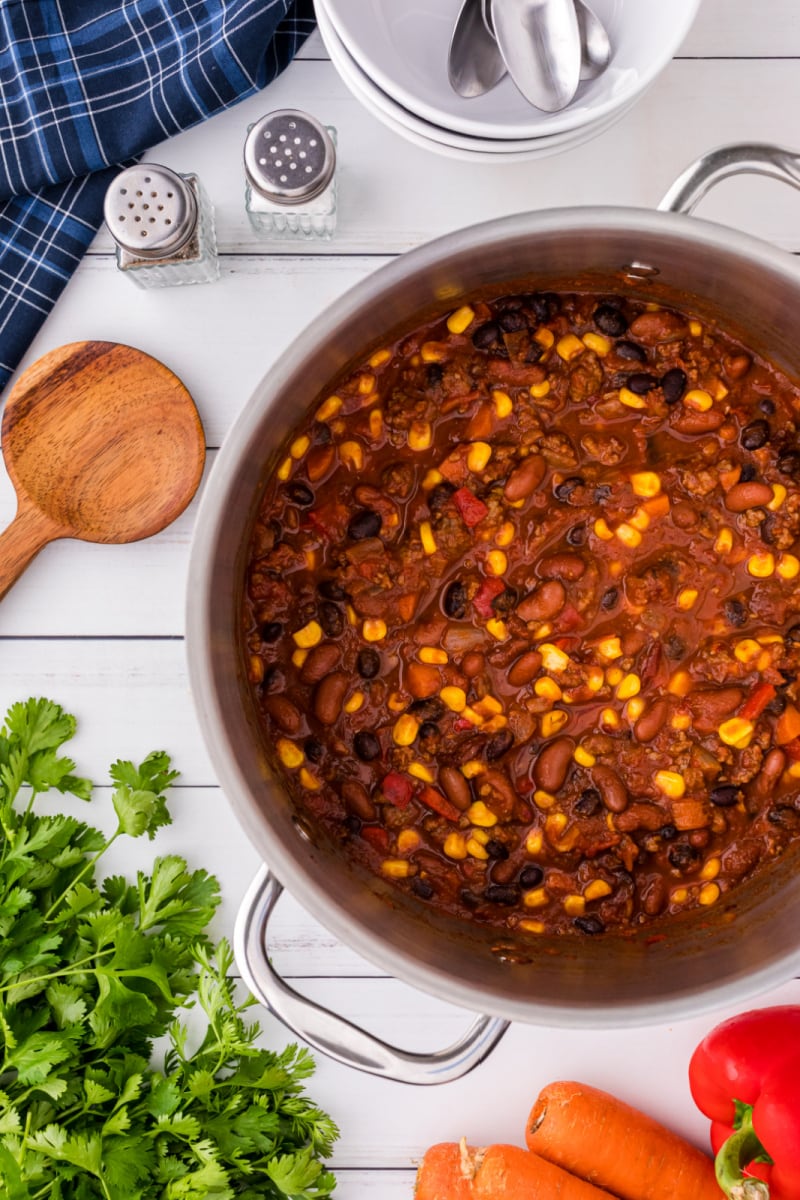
741	29
389	1185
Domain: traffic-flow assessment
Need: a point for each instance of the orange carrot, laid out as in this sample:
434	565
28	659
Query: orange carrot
456	1171
613	1145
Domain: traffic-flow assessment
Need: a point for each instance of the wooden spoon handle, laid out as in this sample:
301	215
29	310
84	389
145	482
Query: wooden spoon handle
21	541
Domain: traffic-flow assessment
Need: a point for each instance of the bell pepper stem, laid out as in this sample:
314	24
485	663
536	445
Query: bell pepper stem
734	1154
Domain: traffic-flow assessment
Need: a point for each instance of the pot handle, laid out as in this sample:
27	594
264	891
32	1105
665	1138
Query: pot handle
744	158
331	1034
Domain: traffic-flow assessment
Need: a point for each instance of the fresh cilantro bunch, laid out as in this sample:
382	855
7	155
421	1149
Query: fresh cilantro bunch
90	973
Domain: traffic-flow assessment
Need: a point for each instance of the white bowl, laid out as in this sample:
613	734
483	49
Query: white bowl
402	48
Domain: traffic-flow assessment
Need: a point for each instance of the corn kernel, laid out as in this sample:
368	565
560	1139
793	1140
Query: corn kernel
720	391
290	755
630	399
531	926
503	404
711	869
535	898
373	629
419	435
695	328
595	678
539	390
397	702
396	868
285	469
488	706
596	890
609	647
681	721
686	598
471	768
366	384
256	673
602	530
433	655
478	456
352	455
299	446
788	566
505	534
329	408
454	697
583	758
709	894
680	684
469	714
634	708
614	675
534	842
497	628
496	562
542	631
476	849
630	686
455	846
553	658
724	541
761	565
793	771
379	358
543	800
671	784
420	771
629	536
553	721
431	479
770	639
309	781
375	423
405	730
698	399
354	703
461	319
575	905
645	484
639	520
609	718
746	650
308	636
408	840
310	557
299	657
569	347
427	538
352	615
778	497
555	824
680	895
736	732
764	660
548	688
544	337
432	352
479	814
595	341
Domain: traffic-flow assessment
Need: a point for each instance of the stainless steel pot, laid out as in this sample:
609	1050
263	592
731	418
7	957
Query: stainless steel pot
749	943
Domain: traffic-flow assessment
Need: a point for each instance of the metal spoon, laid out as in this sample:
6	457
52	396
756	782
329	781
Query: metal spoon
541	44
595	42
474	62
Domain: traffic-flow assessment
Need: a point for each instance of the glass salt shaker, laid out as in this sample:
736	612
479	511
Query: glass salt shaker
163	225
290	169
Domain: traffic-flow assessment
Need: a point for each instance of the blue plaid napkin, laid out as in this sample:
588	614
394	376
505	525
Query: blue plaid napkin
87	85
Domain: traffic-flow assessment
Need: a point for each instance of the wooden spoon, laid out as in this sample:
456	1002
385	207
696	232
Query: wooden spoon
102	443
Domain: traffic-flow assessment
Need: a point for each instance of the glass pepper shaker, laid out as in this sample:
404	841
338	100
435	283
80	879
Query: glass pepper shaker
290	170
163	225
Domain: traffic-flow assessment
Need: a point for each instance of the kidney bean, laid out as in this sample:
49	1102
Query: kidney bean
655	327
428	632
544	602
771	771
497	793
551	766
455	787
640	816
525	668
747	495
562	566
654	895
473	663
525	478
357	799
651	722
711	706
284	713
755	435
610	787
610	320
329	696
321	660
686	420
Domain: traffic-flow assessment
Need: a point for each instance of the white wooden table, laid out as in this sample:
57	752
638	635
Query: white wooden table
100	629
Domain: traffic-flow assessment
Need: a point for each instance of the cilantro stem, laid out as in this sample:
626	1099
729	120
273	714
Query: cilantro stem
88	866
77	969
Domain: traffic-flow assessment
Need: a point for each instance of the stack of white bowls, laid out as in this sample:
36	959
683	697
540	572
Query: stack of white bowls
392	55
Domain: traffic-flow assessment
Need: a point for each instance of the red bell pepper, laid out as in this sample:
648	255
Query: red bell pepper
745	1076
757	701
472	509
434	799
482	600
397	790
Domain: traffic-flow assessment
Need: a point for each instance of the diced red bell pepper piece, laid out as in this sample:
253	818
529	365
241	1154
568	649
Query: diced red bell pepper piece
377	837
757	701
435	800
568	619
397	790
482	601
472	509
461	723
792	750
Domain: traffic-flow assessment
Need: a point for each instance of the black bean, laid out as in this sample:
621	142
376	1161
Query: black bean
421	888
610	320
768	528
429	709
674	647
682	856
767	406
496	850
499	744
331	589
322	433
543	305
506	600
454	602
439	495
789	464
270	631
673	385
313	749
364	523
591	924
602	492
588	802
499	893
735	612
668	833
366	746
576	536
512	322
468	898
783	815
428	730
368	663
641	383
755	435
793	633
486	335
563	490
530	877
725	796
609	599
534	353
300	493
631	351
777	705
274	681
352	823
331	618
747	473
434	374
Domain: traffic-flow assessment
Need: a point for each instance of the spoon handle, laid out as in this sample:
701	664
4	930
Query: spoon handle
21	541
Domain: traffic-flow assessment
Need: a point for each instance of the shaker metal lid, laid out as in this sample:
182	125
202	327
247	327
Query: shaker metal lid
150	211
289	156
